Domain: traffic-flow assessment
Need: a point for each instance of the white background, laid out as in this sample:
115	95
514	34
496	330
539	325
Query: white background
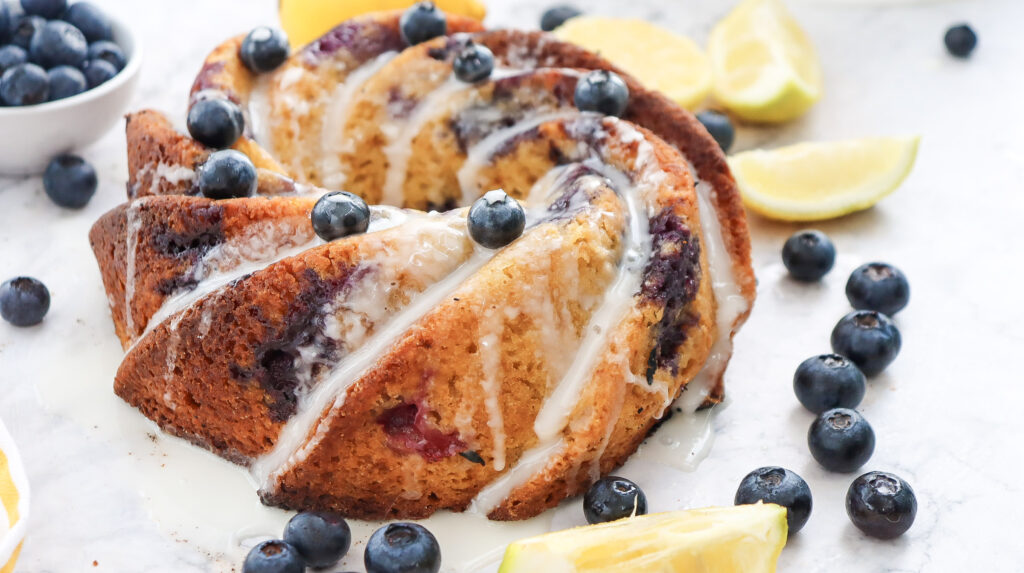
947	414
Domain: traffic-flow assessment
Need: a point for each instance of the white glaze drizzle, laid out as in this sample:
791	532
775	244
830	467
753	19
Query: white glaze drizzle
333	142
730	302
163	172
133	225
479	155
492	327
259	113
554	414
263	113
172	358
398	150
532	462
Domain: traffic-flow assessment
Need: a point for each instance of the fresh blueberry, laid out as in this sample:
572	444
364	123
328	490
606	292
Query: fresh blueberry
65	82
612	498
216	122
402	548
23	29
809	255
340	214
24	301
10	56
322	539
91	20
961	40
841	440
474	62
58	43
781	487
422	22
227	174
98	72
878	286
496	219
109	51
869	339
5	22
556	16
48	9
881	505
70	181
264	49
273	556
602	91
828	381
719	126
25	84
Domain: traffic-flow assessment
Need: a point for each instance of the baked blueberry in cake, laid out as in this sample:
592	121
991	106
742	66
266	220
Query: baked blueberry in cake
472	348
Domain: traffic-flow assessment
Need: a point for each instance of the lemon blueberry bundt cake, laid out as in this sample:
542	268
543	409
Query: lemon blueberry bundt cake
533	258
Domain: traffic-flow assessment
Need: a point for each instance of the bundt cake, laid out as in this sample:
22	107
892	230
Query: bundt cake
408	369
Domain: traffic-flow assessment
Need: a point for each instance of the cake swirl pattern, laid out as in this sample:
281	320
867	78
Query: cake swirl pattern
408	369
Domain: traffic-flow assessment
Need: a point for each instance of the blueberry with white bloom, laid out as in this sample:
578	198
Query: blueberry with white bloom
495	220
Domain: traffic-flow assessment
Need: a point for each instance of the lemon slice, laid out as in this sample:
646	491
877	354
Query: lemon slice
765	68
741	539
816	181
307	20
661	60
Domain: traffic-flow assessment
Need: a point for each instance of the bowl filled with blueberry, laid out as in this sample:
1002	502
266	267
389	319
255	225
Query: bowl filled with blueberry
67	73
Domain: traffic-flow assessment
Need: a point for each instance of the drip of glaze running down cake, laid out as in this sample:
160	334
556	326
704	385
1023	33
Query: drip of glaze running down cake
407	368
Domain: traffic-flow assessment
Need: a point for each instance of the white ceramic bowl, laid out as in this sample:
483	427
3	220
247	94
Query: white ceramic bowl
33	135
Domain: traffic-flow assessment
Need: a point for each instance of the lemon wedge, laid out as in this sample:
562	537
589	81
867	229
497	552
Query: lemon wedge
765	68
741	539
14	502
816	181
660	59
307	20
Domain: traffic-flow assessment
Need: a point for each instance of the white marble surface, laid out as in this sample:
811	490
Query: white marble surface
946	413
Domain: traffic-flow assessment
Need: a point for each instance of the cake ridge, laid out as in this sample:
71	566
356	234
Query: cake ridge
337	114
214	275
555	412
484	149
